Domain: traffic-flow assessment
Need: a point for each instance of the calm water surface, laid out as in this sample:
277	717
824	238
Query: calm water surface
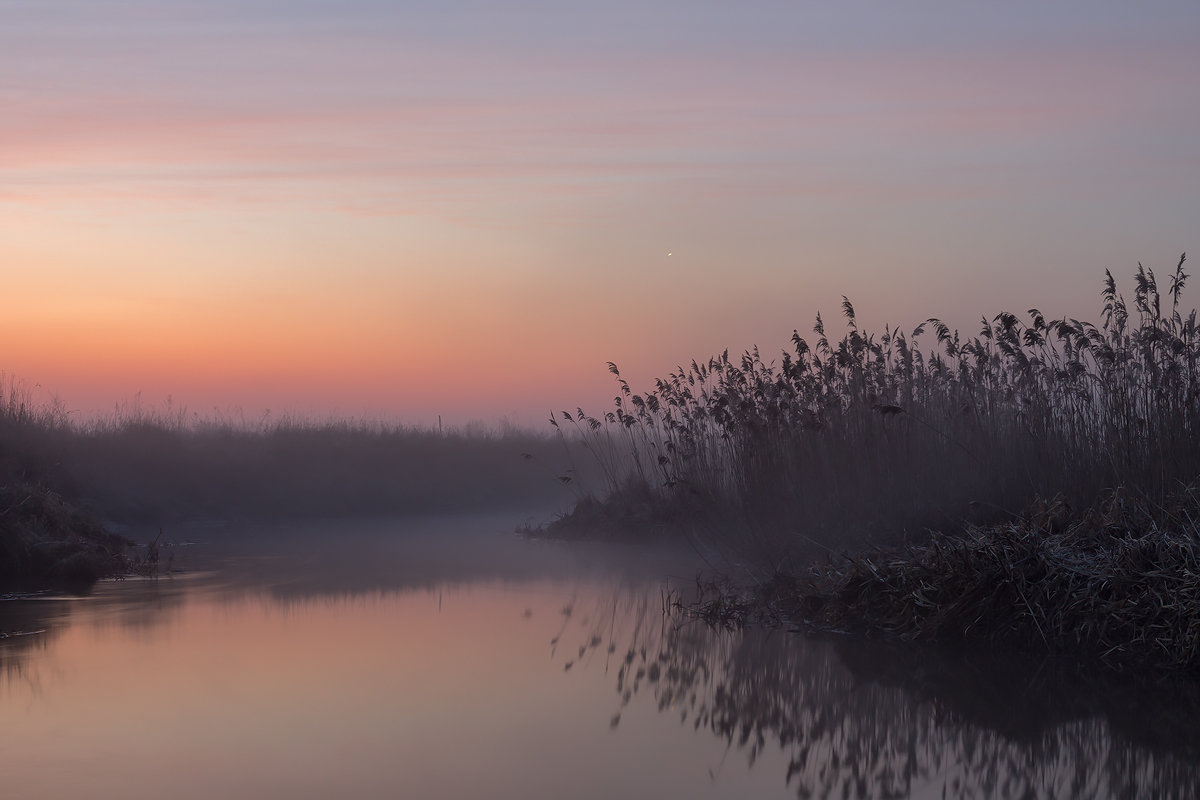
442	658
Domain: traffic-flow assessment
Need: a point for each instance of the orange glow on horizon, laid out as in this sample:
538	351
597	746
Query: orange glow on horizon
303	224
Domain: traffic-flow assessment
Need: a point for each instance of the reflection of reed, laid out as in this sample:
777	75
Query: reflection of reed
28	625
859	719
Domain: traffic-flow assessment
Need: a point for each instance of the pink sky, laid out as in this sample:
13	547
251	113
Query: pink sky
403	212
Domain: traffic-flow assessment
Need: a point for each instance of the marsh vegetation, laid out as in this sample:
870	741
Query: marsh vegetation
840	441
1055	459
147	466
64	481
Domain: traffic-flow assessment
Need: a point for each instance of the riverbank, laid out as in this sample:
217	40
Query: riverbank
48	542
1119	583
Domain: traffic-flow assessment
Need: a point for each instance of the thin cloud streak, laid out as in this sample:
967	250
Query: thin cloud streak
721	109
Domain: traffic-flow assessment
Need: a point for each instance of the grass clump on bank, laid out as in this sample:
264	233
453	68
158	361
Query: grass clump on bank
884	435
45	539
1120	582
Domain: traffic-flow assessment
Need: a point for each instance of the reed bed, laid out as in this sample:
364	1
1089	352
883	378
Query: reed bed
842	442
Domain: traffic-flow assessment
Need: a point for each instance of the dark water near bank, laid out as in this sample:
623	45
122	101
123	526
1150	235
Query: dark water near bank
441	658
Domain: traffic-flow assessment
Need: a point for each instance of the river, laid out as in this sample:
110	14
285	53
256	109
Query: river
448	658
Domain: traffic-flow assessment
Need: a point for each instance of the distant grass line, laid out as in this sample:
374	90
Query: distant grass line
840	442
144	466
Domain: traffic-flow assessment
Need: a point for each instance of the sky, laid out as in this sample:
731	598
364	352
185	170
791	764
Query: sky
405	210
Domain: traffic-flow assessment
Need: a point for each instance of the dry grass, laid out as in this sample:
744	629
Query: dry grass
842	442
1120	582
152	467
46	540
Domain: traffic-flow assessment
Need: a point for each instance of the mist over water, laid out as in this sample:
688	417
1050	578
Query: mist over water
445	657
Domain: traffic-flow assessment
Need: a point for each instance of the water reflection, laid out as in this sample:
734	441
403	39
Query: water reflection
24	626
278	678
355	662
30	623
861	719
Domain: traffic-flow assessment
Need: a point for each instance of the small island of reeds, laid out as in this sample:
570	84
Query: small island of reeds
1029	486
